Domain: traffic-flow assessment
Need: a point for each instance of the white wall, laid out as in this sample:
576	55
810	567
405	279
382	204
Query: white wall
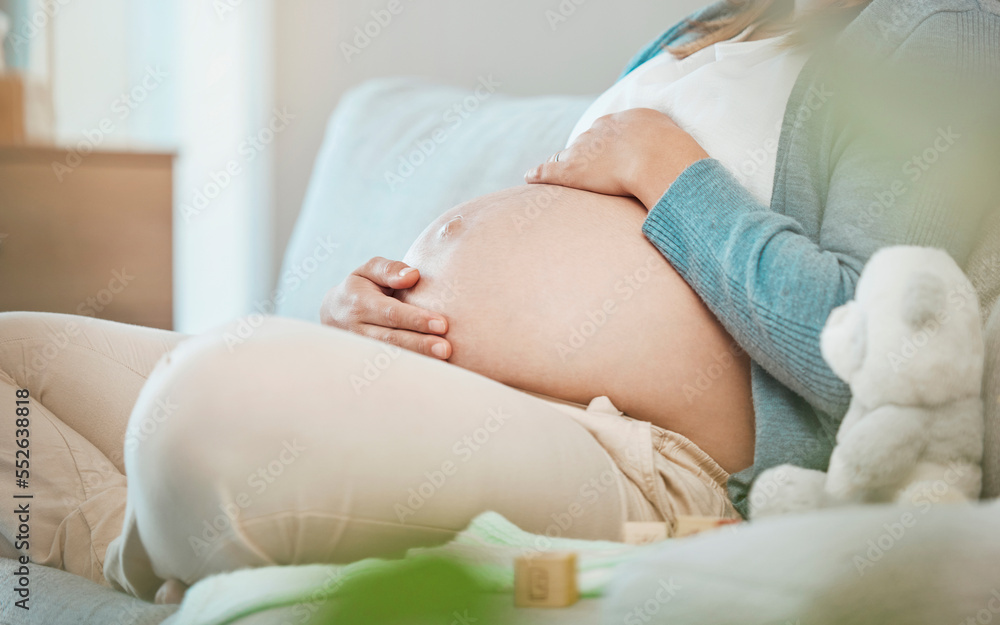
452	40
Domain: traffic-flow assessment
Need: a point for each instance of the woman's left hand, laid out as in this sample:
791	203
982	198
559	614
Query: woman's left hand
638	152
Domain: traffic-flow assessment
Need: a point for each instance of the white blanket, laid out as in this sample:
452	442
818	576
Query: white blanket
489	546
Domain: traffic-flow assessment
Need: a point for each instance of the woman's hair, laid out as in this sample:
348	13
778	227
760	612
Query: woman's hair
773	17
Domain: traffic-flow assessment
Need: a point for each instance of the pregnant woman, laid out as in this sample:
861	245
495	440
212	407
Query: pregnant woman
631	336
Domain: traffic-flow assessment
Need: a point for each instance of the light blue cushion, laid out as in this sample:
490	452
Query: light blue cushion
484	145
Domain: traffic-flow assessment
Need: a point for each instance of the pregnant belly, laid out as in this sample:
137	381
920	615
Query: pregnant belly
556	291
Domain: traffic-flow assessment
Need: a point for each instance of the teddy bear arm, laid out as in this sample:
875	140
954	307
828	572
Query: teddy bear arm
879	451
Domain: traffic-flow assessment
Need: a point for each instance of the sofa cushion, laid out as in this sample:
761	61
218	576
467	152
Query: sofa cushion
399	152
61	598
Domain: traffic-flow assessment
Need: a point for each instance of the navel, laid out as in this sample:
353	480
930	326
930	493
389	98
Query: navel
451	228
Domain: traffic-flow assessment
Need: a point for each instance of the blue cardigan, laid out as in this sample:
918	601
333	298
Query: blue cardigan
854	173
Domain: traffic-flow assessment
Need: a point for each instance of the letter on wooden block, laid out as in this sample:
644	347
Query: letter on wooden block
545	580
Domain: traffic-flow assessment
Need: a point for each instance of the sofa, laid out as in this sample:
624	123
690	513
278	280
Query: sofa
392	160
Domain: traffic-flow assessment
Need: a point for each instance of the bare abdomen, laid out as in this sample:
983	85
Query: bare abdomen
556	291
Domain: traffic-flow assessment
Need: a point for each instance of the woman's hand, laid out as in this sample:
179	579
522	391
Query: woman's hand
638	152
363	304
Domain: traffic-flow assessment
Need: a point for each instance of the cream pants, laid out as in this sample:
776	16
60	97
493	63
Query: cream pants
285	442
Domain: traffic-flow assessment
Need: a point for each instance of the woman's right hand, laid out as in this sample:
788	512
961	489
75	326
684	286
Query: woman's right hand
363	304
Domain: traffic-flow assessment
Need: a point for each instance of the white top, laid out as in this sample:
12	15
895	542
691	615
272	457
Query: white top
730	97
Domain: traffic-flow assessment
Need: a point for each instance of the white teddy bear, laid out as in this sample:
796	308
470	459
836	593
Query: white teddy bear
910	346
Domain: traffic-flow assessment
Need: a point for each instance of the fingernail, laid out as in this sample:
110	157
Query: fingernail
403	272
530	173
439	350
436	325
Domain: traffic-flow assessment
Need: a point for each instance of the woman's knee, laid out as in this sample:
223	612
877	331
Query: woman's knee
208	440
179	456
180	396
213	394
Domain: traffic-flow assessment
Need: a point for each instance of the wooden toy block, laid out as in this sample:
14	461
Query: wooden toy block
690	525
645	533
545	580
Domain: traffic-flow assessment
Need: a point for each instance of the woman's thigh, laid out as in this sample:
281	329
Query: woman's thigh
307	444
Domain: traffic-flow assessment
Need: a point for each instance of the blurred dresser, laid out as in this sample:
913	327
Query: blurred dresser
87	234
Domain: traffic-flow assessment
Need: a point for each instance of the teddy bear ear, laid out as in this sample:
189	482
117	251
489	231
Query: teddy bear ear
924	299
